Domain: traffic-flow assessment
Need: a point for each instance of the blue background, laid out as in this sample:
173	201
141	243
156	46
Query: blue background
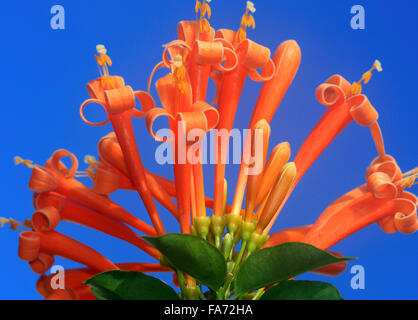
44	73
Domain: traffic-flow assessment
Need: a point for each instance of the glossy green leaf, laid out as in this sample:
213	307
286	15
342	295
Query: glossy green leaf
129	285
302	290
194	256
282	262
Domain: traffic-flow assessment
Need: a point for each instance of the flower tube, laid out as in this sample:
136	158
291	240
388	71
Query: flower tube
32	244
51	208
184	117
119	103
55	177
365	205
251	56
343	107
112	174
254	179
286	60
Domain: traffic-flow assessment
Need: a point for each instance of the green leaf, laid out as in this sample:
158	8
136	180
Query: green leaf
279	263
194	256
302	290
129	285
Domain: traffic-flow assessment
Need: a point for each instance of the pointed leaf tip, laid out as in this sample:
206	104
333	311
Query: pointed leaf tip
194	256
279	263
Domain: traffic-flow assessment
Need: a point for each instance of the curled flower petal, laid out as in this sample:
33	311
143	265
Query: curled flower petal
29	246
54	243
45	218
56	164
42	263
254	56
286	59
380	184
406	223
45	180
362	111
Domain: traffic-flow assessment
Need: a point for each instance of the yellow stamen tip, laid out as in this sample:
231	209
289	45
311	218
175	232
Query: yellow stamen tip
250	6
17	160
101	49
378	65
90	159
3	221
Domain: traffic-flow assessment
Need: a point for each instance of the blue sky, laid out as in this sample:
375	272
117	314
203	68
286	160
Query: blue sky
45	72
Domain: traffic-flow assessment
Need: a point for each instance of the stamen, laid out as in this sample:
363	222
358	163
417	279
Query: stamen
179	73
410	173
247	20
27	163
103	60
92	161
356	88
204	9
408	182
14	224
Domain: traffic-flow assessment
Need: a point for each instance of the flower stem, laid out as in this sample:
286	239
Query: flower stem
258	294
182	283
224	292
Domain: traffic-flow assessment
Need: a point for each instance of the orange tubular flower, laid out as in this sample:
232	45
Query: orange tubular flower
286	60
343	107
55	177
119	103
382	200
251	56
38	248
184	116
112	174
51	208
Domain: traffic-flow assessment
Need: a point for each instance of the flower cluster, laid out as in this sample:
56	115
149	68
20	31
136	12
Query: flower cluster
230	59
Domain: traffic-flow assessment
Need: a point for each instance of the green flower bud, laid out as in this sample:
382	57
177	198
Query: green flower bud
233	222
218	225
254	242
202	225
247	228
227	243
230	266
192	293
